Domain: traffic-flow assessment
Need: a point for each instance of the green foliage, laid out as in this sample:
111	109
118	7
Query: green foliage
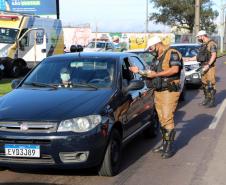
181	14
5	86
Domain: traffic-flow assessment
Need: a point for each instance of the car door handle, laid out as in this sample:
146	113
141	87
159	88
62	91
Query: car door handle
43	50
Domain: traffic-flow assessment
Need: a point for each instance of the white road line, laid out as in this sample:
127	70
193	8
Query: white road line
218	116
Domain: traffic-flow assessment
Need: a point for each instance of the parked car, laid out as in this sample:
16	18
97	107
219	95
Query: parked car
99	46
192	75
147	57
81	125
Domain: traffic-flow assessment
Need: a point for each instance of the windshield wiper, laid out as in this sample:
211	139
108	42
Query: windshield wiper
39	84
84	85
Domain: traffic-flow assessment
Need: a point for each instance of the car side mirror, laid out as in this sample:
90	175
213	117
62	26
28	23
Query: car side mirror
15	83
135	85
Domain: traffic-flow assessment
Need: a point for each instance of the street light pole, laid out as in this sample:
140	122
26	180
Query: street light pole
197	16
147	20
222	30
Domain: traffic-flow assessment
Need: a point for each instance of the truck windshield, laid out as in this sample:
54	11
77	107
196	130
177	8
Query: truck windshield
8	35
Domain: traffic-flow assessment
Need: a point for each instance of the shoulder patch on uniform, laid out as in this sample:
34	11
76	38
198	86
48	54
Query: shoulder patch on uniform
175	56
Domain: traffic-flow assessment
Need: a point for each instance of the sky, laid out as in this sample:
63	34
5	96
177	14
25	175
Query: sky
112	15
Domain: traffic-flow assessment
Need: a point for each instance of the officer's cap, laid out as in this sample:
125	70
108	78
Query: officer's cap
152	41
200	33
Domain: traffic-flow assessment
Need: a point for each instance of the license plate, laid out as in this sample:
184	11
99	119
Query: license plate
15	150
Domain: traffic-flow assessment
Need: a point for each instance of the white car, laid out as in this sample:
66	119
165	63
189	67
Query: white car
192	74
99	46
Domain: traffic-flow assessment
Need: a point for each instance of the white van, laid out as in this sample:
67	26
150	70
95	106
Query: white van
26	39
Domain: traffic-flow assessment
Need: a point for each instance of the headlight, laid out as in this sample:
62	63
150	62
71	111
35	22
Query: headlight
80	124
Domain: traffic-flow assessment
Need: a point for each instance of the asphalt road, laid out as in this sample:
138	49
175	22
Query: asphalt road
200	157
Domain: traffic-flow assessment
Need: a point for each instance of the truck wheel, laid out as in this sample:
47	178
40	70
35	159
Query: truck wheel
153	129
111	163
1	74
16	70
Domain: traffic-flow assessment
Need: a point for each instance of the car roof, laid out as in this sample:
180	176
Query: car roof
116	55
136	50
185	44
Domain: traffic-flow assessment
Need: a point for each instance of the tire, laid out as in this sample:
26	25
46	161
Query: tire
1	74
16	70
153	129
112	159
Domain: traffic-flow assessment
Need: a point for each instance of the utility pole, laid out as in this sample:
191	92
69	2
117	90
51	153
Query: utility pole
222	26
197	16
147	19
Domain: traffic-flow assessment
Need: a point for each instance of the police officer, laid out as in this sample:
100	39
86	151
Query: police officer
207	57
166	82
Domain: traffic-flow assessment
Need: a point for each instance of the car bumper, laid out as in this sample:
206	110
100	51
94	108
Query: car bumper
57	150
193	79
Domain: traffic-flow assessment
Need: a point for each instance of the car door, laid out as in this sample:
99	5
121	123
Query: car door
132	104
32	46
146	95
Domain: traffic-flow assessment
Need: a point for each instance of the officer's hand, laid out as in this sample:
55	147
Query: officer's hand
205	68
152	74
134	69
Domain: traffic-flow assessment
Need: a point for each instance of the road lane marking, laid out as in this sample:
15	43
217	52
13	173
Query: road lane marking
218	116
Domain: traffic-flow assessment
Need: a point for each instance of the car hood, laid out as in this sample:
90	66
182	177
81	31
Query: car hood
190	63
52	105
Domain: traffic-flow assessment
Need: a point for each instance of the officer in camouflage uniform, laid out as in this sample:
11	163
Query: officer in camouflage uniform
207	57
166	83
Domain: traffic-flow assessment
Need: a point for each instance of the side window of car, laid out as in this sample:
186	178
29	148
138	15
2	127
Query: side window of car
127	75
137	62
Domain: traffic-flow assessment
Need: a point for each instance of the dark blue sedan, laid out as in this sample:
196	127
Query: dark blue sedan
76	111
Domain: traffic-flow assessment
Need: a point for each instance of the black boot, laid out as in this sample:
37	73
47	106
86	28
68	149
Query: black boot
212	98
205	91
168	150
159	149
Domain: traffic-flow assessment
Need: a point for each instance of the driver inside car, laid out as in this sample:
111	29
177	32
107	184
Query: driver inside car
65	78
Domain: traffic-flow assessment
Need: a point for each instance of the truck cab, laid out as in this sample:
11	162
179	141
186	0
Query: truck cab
27	39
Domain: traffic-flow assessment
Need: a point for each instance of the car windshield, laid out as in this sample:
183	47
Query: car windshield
8	35
188	51
98	45
81	72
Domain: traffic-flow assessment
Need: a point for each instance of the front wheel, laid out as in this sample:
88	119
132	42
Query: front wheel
111	163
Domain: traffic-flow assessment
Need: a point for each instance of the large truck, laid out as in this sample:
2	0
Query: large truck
26	39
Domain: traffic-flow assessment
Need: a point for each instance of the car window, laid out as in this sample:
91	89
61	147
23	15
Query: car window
97	71
147	57
136	61
127	75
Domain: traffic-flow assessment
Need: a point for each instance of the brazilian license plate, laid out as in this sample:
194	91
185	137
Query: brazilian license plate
17	150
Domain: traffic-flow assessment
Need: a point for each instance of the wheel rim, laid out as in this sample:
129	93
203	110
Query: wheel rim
16	70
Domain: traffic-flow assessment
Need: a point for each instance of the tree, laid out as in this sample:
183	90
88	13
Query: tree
181	14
